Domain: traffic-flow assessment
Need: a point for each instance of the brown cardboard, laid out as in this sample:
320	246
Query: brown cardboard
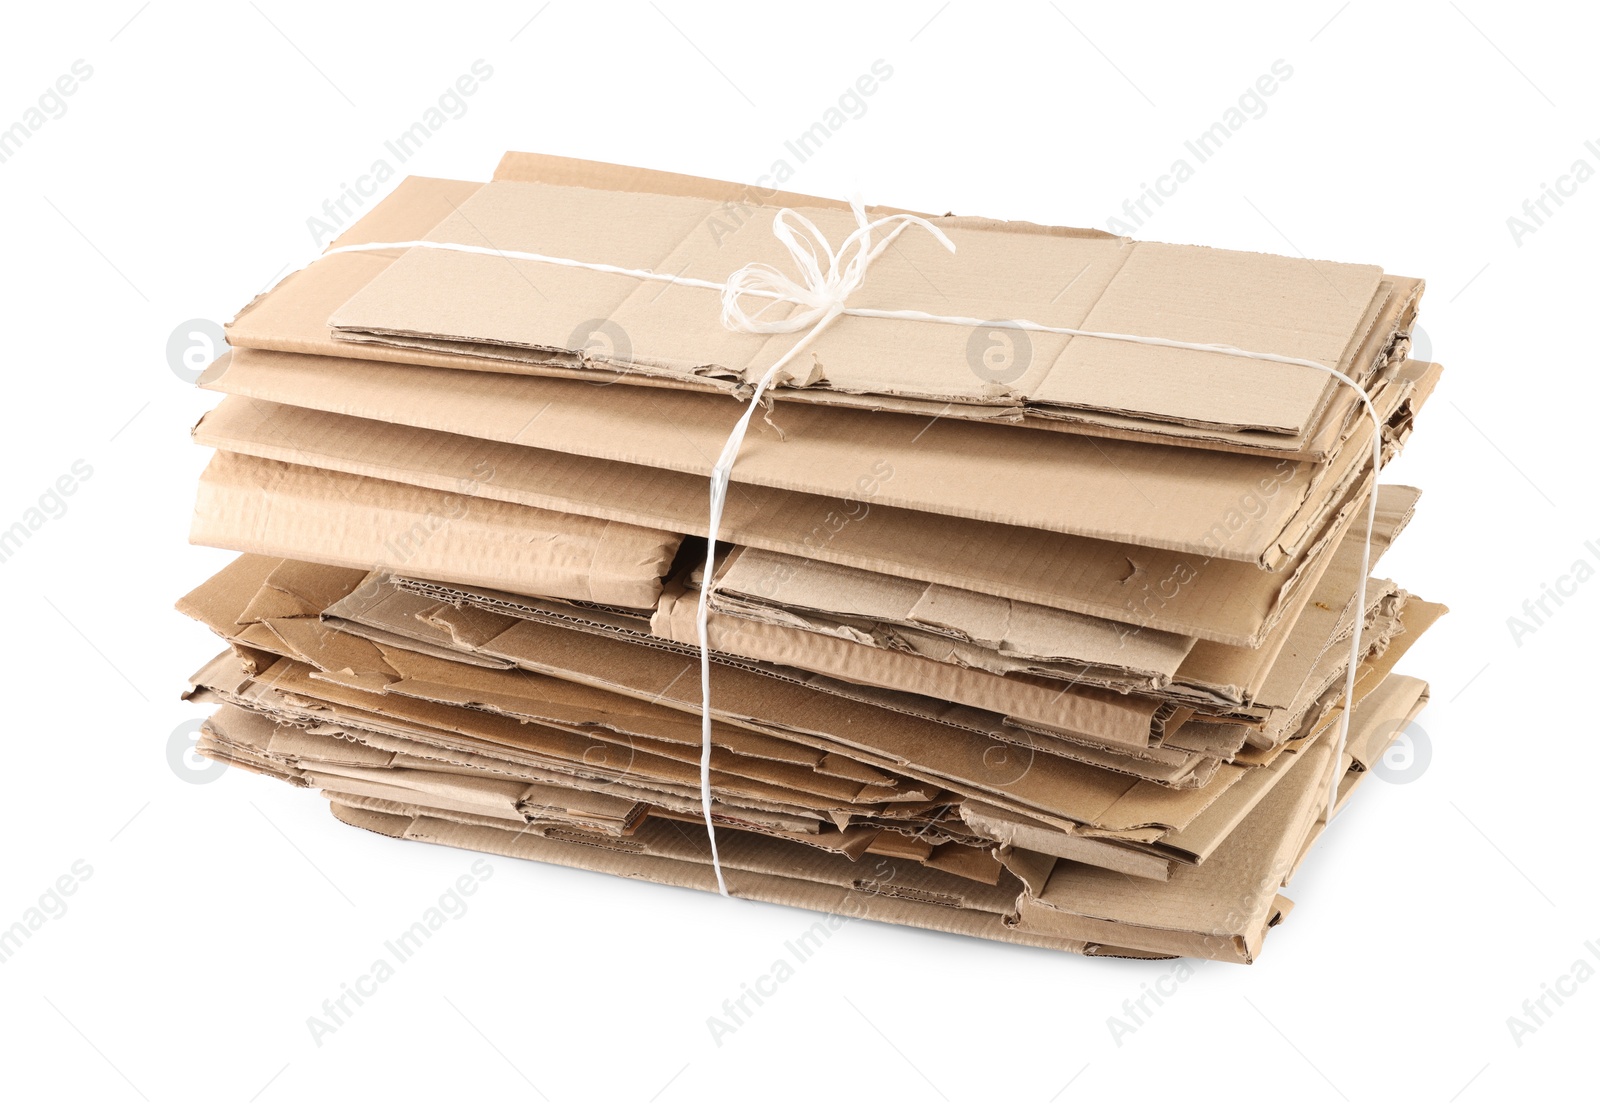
1065	793
1206	295
279	509
1255	509
1240	675
1226	919
291	693
1154	590
1077	711
938	622
838	903
1190	757
1388	326
490	629
528	697
1056	657
1003	637
1099	715
207	604
1327	683
1044	780
352	771
293	317
1168	767
1220	910
280	680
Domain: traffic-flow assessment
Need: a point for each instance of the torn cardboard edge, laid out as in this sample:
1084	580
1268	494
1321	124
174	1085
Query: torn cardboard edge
1069	812
1223	909
1004	639
1281	831
290	510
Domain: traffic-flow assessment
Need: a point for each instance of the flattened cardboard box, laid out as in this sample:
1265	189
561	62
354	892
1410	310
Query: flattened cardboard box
1226	919
393	610
270	507
1190	842
1251	301
290	693
1216	598
347	759
423	691
1005	637
1314	640
1101	715
1387	325
1254	509
302	325
347	768
1075	709
420	680
1072	794
283	679
1223	909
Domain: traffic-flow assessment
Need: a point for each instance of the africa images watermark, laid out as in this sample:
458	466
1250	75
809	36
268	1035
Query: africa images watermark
869	483
51	105
403	546
51	505
1537	611
341	209
51	905
1149	597
1408	754
739	1010
1251	105
1536	1011
337	1011
851	104
1136	1011
1540	209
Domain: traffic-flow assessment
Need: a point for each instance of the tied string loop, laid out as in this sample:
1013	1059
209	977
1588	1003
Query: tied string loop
819	291
827	279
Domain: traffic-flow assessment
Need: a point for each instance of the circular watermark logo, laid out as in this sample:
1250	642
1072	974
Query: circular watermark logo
1421	345
193	346
996	353
883	875
602	340
1407	759
609	764
185	761
1004	762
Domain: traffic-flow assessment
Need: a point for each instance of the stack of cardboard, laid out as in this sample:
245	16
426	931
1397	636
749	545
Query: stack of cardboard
1024	636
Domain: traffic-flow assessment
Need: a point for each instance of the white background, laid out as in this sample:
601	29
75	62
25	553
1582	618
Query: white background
221	913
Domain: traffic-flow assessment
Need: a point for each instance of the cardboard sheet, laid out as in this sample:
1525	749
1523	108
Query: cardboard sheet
1205	596
294	316
1253	301
289	510
1253	509
1223	909
1003	637
1035	638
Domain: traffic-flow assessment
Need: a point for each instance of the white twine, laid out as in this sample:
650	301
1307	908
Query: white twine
820	294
